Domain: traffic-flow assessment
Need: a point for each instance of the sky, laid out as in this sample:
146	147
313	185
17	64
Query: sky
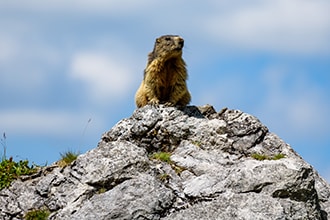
69	70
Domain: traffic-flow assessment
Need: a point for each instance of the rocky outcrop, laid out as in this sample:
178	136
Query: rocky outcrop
223	165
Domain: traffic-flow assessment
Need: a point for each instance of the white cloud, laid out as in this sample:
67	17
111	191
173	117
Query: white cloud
286	101
293	106
25	69
77	6
106	77
295	26
8	50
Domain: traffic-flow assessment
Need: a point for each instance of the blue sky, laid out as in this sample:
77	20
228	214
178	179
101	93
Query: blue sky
69	69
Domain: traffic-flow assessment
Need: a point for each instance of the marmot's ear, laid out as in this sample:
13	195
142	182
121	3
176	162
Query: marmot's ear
157	40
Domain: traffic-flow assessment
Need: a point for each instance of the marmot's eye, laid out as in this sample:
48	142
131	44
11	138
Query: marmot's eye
167	38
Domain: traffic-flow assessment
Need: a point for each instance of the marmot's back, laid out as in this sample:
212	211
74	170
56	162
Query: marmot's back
165	76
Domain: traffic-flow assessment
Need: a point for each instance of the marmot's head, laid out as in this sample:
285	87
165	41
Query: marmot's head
166	47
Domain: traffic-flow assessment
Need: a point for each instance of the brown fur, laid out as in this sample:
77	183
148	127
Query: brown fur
165	76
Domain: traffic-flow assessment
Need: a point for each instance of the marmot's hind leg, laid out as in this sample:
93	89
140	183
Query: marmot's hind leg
141	98
184	100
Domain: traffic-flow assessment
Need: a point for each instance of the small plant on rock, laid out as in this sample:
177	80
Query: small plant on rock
197	143
102	190
37	214
166	157
278	156
164	177
259	156
162	156
265	157
11	170
178	169
67	158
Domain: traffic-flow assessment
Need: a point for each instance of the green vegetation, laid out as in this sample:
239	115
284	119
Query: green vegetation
259	157
67	158
38	214
11	170
197	143
164	177
162	156
102	190
178	169
166	157
265	157
278	156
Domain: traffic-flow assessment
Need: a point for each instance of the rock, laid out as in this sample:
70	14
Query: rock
223	165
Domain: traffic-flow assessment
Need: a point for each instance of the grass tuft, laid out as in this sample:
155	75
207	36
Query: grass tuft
278	156
162	156
164	177
265	157
259	157
37	214
67	158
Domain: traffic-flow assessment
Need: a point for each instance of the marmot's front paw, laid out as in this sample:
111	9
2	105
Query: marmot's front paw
154	102
169	104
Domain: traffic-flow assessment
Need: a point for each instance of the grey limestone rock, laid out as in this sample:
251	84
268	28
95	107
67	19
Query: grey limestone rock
223	165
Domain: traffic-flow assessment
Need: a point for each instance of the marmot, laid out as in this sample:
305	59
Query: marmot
165	76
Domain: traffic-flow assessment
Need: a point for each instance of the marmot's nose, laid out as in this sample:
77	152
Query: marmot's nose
181	42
